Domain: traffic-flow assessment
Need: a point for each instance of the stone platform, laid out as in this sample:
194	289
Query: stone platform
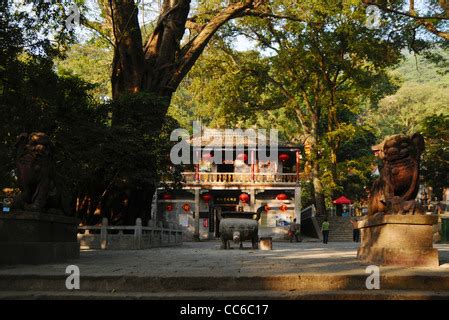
37	238
200	270
398	240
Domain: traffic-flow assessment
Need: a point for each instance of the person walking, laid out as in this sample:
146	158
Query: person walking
325	231
293	231
355	231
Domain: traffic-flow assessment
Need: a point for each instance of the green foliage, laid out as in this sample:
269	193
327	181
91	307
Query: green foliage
90	61
424	92
355	163
137	145
94	158
38	100
34	98
435	162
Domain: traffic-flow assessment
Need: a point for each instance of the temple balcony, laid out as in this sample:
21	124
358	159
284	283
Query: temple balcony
234	180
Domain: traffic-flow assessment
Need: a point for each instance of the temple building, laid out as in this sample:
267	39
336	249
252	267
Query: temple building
238	184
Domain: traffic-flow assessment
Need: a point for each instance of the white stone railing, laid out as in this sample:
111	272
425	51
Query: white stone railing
235	177
129	237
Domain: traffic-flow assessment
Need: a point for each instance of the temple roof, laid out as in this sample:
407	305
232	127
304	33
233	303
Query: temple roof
232	138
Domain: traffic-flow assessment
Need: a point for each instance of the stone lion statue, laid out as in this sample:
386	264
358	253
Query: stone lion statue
397	187
40	191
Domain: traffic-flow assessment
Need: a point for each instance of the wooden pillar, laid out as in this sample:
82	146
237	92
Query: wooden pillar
298	204
196	234
253	161
252	200
197	166
298	163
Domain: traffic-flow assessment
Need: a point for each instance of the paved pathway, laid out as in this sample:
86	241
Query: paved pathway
207	260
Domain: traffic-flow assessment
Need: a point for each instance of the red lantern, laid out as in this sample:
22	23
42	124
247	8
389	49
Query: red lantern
283	207
284	157
186	207
242	157
207	197
167	196
169	207
282	196
244	197
205	223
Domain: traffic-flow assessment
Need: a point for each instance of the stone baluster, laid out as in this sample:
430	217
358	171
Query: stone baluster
138	234
104	234
151	224
175	230
169	232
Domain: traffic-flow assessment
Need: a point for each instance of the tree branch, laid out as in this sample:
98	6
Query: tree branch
96	26
422	21
197	45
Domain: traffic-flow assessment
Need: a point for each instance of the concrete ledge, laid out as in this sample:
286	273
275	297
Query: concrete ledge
399	240
381	219
399	257
18	226
228	295
36	238
299	282
38	252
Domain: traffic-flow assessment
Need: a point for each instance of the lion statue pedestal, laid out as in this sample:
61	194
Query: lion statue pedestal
397	240
396	231
37	238
38	229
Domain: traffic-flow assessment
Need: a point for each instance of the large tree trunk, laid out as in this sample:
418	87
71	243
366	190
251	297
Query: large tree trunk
157	67
128	63
318	192
333	141
315	156
160	65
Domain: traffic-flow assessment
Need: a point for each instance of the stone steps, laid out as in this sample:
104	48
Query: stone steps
228	295
340	229
149	286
